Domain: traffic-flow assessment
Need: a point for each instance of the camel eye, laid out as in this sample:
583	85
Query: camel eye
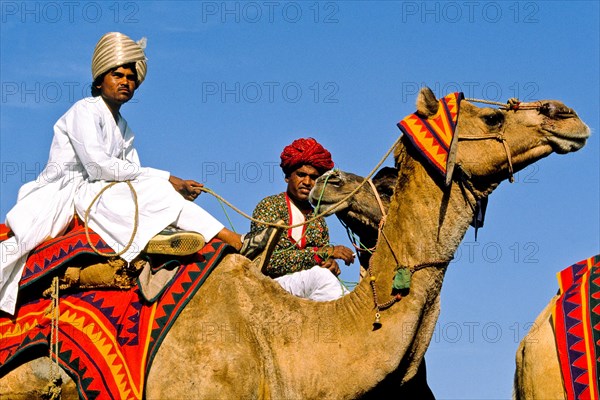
494	120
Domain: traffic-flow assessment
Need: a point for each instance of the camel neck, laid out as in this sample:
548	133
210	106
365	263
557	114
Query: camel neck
425	224
424	212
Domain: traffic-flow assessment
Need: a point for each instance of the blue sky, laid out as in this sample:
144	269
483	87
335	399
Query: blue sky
231	83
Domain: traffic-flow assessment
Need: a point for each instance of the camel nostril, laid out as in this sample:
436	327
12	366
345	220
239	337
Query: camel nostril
555	111
547	109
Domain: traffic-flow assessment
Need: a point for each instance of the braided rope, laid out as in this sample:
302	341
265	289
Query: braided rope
317	216
54	388
135	222
511	104
495	103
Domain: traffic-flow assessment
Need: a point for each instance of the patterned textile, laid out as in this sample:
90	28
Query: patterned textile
4	232
290	255
434	136
576	319
107	338
55	253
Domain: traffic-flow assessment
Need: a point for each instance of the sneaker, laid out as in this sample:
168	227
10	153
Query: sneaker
260	245
174	242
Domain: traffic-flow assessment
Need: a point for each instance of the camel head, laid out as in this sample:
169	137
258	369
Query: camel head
490	141
530	131
361	212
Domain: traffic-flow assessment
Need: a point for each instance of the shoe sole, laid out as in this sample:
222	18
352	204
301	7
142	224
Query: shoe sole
262	260
176	244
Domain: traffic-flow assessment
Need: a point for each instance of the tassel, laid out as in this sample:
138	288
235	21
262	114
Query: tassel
142	43
53	390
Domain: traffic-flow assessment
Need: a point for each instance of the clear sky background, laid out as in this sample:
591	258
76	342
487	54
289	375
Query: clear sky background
230	84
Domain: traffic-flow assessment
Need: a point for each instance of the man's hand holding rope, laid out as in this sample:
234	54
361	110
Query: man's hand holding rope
188	188
337	252
332	265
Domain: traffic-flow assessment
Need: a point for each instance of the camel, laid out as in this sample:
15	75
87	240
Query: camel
243	336
537	374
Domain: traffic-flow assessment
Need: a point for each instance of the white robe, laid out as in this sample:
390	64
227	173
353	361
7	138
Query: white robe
89	150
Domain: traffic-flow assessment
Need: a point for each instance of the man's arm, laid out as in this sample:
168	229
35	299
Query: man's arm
188	188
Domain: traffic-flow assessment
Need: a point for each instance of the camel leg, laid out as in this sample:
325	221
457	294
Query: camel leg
537	374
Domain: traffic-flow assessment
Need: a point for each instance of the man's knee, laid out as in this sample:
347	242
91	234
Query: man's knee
322	275
322	271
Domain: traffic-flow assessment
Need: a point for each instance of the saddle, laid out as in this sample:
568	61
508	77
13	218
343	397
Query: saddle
114	273
86	262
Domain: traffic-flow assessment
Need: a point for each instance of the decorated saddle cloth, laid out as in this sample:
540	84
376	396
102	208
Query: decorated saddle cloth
106	338
435	137
576	320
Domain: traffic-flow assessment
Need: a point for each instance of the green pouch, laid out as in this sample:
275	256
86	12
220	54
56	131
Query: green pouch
402	279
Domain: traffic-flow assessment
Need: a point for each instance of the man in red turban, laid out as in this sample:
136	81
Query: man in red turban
303	262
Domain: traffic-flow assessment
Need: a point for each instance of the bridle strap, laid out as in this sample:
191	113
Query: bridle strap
511	105
379	202
500	138
381	233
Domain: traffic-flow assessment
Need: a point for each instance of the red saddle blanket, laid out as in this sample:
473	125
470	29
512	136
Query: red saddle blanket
106	338
576	319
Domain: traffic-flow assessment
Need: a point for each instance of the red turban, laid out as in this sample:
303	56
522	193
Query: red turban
305	152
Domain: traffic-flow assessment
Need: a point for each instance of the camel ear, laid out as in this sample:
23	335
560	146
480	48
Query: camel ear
427	104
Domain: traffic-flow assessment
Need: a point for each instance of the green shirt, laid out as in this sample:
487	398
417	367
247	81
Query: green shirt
289	255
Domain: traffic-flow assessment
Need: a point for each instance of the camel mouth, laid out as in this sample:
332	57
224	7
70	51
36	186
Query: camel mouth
563	142
331	208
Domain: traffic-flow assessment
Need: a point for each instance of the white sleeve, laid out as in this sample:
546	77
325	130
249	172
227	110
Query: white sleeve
84	129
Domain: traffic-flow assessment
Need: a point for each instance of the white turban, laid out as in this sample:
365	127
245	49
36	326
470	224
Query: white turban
115	49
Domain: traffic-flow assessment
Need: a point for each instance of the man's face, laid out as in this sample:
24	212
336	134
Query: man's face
301	181
118	86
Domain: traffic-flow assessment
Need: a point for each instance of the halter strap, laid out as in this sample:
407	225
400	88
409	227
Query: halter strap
379	202
500	138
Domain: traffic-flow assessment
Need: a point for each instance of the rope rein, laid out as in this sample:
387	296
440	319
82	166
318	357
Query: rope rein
512	104
135	222
319	215
54	388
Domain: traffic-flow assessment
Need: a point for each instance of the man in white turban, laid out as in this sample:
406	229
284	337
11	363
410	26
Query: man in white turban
93	147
